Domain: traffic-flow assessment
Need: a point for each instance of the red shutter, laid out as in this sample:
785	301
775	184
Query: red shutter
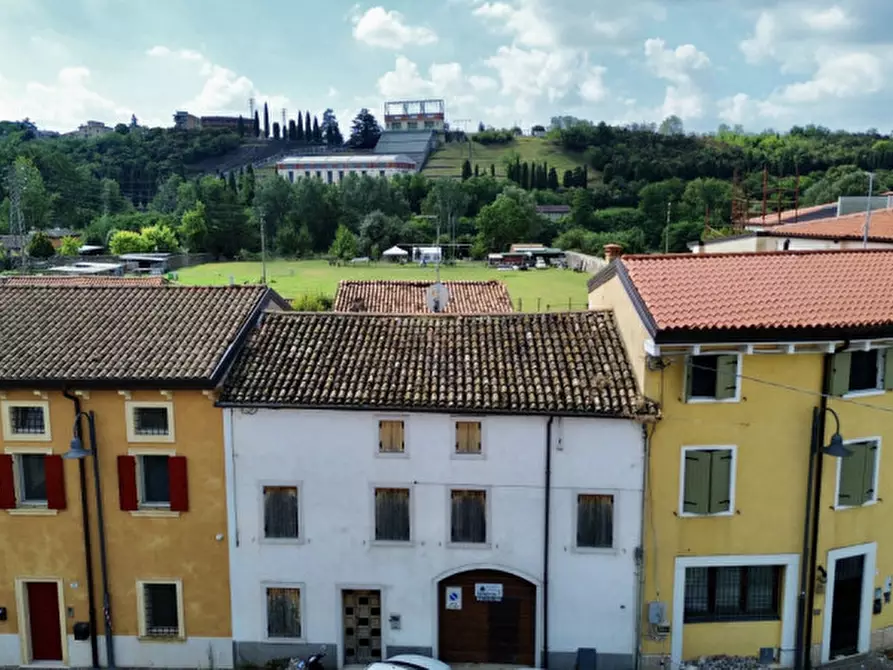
127	483
55	476
7	483
179	483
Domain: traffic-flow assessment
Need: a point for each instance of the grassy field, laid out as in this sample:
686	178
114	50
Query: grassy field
531	291
447	161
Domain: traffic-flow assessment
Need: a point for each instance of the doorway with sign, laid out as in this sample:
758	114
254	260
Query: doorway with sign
486	616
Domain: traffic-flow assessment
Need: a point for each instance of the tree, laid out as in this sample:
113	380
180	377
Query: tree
70	246
126	242
276	130
308	129
525	176
292	130
266	121
330	129
241	126
317	133
35	201
300	127
510	218
492	170
345	244
194	228
481	127
159	239
672	125
256	124
477	170
581	213
553	179
231	182
466	170
365	131
40	246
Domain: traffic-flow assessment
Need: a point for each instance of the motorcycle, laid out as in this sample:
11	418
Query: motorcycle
313	662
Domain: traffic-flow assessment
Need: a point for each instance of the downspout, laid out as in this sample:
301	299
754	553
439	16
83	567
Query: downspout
88	545
547	505
640	550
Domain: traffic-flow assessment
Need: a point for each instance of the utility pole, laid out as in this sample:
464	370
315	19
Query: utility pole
868	211
667	228
17	226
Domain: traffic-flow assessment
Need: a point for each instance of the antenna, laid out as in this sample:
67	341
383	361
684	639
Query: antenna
16	217
252	104
284	121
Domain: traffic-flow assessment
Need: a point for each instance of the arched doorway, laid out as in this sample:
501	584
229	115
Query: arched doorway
486	616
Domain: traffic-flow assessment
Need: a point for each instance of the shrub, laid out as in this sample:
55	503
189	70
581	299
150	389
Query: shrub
313	303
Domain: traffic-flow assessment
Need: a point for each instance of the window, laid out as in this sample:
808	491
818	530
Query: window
283	612
862	372
707	481
153	481
329	177
392	515
26	421
281	512
857	474
340	175
429	124
595	521
390	437
31	480
412	125
307	173
364	173
161	609
291	176
319	174
468	437
712	377
468	517
746	593
150	421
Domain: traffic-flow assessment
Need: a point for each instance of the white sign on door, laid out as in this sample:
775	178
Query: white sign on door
454	597
488	592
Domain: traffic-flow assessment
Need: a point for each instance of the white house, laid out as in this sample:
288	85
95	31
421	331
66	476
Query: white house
436	484
333	168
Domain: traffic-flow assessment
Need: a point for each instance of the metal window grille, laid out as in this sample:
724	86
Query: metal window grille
595	521
161	610
150	421
27	420
392	515
745	593
468	522
155	484
32	479
281	511
283	612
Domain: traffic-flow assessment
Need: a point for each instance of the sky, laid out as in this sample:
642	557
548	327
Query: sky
758	63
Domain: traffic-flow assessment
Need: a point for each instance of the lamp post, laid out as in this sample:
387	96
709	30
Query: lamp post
835	449
77	452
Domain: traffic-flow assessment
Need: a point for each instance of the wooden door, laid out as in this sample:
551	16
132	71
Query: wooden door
362	626
44	629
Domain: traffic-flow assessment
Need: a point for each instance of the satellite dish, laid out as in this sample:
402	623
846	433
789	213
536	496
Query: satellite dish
437	297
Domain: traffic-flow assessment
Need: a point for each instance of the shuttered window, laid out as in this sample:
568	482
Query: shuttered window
392	515
151	481
857	475
595	521
283	613
733	593
468	437
707	481
712	377
281	512
468	517
390	437
855	371
32	480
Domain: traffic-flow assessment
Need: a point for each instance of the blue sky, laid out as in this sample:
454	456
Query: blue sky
759	63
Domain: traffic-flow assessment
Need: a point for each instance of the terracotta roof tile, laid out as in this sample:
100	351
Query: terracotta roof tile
562	363
54	280
408	297
99	334
848	227
775	290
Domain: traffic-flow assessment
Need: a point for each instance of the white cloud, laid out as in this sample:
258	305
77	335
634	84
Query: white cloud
761	45
592	88
683	96
833	18
481	83
379	27
535	73
741	108
845	75
445	80
527	21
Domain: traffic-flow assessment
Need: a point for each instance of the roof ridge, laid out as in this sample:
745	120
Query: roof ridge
738	254
432	315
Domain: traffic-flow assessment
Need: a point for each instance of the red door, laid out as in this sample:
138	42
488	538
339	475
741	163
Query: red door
43	621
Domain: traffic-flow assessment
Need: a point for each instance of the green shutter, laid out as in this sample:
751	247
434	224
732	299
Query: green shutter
851	491
720	481
696	491
726	376
868	468
888	368
840	374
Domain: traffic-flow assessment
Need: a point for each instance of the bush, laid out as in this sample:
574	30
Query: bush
494	137
40	246
313	303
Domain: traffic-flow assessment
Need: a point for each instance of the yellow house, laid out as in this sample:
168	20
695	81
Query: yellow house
125	377
765	522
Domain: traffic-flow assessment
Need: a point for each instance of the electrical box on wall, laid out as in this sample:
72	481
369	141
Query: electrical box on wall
657	612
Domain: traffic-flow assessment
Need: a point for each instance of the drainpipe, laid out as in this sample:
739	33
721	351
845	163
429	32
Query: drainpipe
547	504
88	546
640	550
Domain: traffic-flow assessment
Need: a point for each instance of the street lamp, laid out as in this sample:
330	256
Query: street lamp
835	446
77	452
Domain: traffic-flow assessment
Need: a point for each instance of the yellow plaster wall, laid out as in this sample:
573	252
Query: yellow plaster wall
733	639
139	548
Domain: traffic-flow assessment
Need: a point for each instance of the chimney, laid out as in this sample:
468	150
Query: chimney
613	251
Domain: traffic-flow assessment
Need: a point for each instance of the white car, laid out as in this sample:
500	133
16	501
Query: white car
408	662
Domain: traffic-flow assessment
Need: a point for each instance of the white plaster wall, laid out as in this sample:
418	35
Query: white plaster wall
332	455
374	172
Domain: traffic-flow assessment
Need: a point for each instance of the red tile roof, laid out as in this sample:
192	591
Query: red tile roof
408	297
779	292
848	227
56	280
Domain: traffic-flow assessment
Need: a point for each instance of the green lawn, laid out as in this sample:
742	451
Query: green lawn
447	161
531	291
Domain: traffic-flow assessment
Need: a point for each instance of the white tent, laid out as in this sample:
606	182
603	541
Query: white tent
395	252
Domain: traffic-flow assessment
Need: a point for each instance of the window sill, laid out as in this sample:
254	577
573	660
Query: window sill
843	508
150	439
401	544
466	456
163	639
282	542
392	454
32	511
468	545
285	640
155	514
692	515
734	619
865	393
712	401
604	551
29	437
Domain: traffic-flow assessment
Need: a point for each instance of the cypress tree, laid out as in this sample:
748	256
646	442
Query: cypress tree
266	121
317	133
466	170
241	126
492	169
308	129
292	130
300	127
256	124
276	130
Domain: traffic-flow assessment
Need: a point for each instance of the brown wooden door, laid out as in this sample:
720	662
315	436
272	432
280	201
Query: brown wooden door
362	626
488	632
43	621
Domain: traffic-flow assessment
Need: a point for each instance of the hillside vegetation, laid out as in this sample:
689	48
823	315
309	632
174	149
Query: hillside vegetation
448	159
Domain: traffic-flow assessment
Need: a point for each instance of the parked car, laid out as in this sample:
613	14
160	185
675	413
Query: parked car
408	662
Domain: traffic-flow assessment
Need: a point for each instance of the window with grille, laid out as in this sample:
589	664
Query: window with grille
27	420
161	610
468	517
284	612
595	521
746	593
154	481
468	437
390	437
281	512
392	515
150	421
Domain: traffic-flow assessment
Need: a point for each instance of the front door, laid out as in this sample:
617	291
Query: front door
362	626
44	629
846	606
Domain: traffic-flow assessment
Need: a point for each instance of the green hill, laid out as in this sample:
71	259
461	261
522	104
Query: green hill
447	160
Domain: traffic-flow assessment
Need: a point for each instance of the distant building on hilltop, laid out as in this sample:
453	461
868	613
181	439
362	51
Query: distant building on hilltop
90	129
414	115
186	121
